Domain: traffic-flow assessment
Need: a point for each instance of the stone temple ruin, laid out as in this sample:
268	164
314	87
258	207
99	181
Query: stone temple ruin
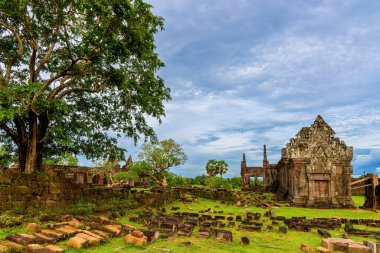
314	169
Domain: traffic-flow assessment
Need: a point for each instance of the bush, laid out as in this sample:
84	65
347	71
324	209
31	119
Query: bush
218	182
7	221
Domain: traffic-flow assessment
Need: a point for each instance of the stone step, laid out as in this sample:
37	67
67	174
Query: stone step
115	230
101	233
52	234
73	228
91	240
94	235
54	249
23	239
66	232
77	242
35	248
44	239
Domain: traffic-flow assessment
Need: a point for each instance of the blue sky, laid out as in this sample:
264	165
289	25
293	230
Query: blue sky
247	73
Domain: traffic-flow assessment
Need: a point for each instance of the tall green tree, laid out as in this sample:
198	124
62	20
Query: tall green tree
74	71
159	158
215	167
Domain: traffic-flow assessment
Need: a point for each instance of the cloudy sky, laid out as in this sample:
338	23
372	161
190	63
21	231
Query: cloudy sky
247	73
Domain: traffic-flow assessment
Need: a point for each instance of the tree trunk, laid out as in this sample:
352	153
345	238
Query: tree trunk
22	151
31	155
164	182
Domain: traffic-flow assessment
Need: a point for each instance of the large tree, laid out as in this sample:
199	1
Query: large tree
215	167
158	158
75	75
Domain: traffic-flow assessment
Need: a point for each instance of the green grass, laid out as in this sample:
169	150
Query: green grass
261	242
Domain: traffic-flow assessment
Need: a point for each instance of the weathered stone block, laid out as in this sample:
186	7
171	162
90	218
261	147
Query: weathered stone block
77	242
54	249
33	227
91	240
35	248
136	241
137	233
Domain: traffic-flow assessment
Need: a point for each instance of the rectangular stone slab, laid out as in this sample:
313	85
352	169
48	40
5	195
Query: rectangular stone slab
20	239
92	240
52	233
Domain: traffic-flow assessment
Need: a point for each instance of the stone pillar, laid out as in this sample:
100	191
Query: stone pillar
243	172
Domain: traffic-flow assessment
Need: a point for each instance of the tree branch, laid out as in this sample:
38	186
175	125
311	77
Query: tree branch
9	70
66	81
52	45
32	65
17	37
76	89
10	132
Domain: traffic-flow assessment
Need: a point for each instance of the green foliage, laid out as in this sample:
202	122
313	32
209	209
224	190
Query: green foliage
131	175
159	158
175	180
217	182
7	220
62	159
78	71
199	180
84	208
214	167
6	156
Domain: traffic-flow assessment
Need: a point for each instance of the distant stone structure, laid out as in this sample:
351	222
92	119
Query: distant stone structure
314	170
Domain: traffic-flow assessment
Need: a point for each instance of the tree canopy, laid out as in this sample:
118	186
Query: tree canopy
215	167
158	158
75	75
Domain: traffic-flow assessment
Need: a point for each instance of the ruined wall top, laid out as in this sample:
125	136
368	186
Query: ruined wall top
318	140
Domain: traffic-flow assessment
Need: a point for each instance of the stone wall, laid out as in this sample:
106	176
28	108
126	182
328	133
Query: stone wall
43	190
49	190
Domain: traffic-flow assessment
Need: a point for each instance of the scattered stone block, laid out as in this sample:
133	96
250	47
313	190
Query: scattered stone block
152	235
101	233
21	239
115	230
245	240
137	233
65	218
54	249
77	242
75	223
91	240
105	221
331	243
282	229
66	232
323	232
35	248
373	246
34	227
223	235
93	235
44	239
358	248
136	241
322	250
305	247
52	233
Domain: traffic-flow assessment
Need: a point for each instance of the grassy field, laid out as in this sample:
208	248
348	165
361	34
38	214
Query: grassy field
265	241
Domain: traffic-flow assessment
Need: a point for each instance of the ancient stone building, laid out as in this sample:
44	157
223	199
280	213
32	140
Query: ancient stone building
314	170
